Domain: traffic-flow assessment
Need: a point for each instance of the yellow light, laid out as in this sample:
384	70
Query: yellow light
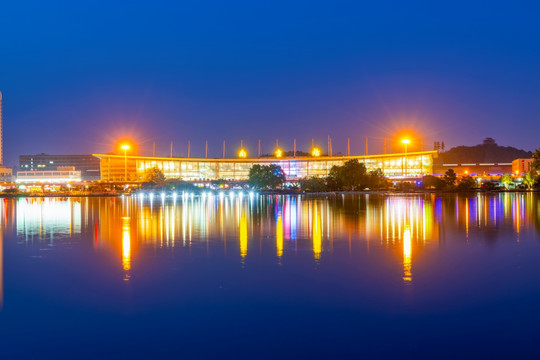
126	244
316	151
317	234
407	263
279	153
243	236
242	153
125	147
279	236
406	141
466	172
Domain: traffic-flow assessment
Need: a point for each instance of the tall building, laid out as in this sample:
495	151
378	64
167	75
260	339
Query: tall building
1	143
88	165
5	173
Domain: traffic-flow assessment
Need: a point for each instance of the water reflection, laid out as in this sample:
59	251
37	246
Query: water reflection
317	233
126	243
403	226
407	273
1	265
40	218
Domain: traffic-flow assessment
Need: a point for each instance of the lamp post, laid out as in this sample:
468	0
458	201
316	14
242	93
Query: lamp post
125	148
405	142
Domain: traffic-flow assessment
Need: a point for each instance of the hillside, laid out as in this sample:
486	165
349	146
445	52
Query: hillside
487	152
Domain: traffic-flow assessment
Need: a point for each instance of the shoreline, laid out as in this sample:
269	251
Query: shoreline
287	192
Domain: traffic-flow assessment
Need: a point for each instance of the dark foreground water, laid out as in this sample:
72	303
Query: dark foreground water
271	277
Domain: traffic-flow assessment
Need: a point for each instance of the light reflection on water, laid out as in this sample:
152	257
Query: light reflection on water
296	223
249	260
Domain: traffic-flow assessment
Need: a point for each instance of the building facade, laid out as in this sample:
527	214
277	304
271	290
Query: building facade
60	176
474	169
88	165
132	168
522	166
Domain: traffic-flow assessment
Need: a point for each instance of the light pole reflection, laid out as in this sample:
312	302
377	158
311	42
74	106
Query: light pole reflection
126	246
279	236
243	236
1	268
407	261
317	233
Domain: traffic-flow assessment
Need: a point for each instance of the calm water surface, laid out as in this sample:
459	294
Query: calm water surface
271	277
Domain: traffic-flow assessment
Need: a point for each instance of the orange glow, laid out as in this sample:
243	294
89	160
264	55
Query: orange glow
123	145
316	151
407	263
406	141
279	153
126	244
316	233
243	236
242	153
279	236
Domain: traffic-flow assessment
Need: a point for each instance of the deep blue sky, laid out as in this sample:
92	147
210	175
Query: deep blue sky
76	75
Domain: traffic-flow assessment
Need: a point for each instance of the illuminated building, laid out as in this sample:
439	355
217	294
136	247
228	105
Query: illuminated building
1	135
113	167
5	173
62	175
88	165
521	166
473	169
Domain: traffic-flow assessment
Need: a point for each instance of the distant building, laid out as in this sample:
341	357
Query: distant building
6	174
87	165
473	169
522	166
64	174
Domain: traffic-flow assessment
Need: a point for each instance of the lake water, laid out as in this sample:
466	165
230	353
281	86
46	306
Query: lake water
360	276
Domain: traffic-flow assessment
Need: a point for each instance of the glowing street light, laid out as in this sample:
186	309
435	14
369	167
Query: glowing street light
405	142
278	153
125	148
242	153
316	152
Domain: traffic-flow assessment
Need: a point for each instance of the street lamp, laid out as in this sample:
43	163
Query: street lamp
316	152
405	142
125	148
242	153
278	153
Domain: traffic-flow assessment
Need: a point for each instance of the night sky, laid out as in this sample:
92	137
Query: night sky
76	76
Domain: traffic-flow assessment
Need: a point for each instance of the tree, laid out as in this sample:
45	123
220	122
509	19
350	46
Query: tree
535	166
12	191
489	141
506	179
351	175
376	179
466	183
433	182
450	178
178	185
266	176
154	176
528	180
316	184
